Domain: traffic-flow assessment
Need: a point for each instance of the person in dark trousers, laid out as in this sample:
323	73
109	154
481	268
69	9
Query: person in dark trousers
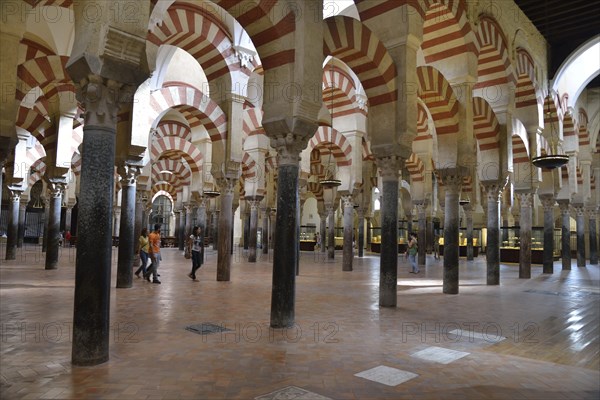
154	239
144	246
196	248
411	253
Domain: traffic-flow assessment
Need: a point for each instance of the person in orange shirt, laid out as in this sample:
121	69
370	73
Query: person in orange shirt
154	248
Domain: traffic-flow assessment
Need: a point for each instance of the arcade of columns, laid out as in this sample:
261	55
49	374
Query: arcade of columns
255	102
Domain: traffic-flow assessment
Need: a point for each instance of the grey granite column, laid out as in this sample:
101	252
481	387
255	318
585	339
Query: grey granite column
548	256
181	237
139	222
55	190
253	228
361	231
13	225
21	227
272	216
177	228
225	226
429	234
409	223
202	216
46	219
215	231
246	225
368	233
283	294
565	212
388	269
68	218
468	208
593	212
452	183
117	220
265	230
494	193
330	232
323	231
422	233
348	248
91	315
525	222
127	239
189	220
580	220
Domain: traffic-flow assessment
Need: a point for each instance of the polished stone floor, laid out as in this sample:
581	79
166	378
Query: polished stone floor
524	339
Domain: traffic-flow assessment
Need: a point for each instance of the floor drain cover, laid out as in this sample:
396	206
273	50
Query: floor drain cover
206	328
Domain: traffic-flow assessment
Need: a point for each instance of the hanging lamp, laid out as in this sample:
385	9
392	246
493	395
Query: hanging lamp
329	181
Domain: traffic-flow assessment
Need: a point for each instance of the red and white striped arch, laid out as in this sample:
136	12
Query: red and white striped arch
252	121
30	49
570	129
423	132
194	29
316	189
353	43
520	153
493	63
164	187
415	168
174	128
39	72
525	93
584	136
249	167
189	100
439	98
177	168
172	146
485	125
552	117
56	3
342	149
367	155
446	30
37	172
339	92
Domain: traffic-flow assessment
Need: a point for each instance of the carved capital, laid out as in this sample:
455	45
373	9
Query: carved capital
493	191
565	207
451	179
15	195
102	99
129	174
579	210
525	199
347	200
421	207
289	148
592	212
226	185
548	202
390	167
253	202
56	189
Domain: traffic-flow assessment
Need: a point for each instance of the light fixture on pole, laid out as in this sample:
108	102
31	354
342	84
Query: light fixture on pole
554	159
329	181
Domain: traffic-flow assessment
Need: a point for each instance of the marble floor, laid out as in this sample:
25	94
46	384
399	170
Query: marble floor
523	339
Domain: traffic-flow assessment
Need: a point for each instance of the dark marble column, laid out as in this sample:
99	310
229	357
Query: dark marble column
117	220
68	219
525	222
429	235
139	222
388	270
127	239
593	212
91	316
252	227
565	212
13	225
330	232
368	233
215	231
178	228
181	237
361	231
452	183
409	222
468	208
272	216
189	220
494	193
348	248
225	229
422	233
55	190
21	228
548	256
285	261
46	219
265	230
323	231
580	220
246	225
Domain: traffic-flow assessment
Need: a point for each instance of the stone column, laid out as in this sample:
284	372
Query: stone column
468	208
55	190
422	234
202	216
368	233
593	212
265	230
272	216
225	225
138	226
189	220
348	250
361	231
21	227
286	241
181	237
91	316
388	270
46	219
246	228
409	222
215	230
452	184
117	220
252	228
548	203
494	194
330	232
127	239
178	228
323	231
68	218
525	222
429	234
13	225
565	212
580	220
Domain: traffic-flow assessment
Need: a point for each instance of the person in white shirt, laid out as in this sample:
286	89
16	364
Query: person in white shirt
196	248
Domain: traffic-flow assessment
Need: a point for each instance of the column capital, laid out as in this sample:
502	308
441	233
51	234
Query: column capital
347	200
579	209
360	212
565	206
56	189
254	202
102	99
289	147
421	206
129	174
493	190
548	201
390	167
226	185
525	199
592	211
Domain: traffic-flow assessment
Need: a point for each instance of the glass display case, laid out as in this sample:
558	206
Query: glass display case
510	244
376	238
462	241
308	238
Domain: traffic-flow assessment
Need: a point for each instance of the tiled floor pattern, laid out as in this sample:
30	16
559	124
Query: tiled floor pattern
550	350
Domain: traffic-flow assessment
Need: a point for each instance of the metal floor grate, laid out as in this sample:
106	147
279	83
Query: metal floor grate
206	328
